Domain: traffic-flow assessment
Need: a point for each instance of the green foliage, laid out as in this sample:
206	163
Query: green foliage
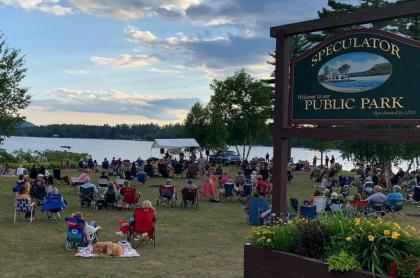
13	97
245	106
409	267
313	236
342	261
47	158
343	241
207	128
146	132
281	237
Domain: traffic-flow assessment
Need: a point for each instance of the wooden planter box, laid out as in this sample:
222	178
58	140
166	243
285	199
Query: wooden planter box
266	263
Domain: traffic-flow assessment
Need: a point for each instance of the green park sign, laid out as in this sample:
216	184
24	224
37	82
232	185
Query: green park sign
362	76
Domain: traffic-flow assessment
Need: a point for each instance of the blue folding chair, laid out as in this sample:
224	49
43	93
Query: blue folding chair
256	207
228	192
53	205
141	177
308	212
246	192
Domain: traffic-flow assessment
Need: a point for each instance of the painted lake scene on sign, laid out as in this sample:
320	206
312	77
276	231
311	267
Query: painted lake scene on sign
355	72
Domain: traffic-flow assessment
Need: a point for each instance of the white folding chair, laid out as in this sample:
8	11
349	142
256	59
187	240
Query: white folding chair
23	206
320	202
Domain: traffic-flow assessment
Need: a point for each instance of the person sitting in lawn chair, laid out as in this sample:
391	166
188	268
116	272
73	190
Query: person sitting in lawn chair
38	190
54	203
23	197
88	193
189	194
79	232
167	194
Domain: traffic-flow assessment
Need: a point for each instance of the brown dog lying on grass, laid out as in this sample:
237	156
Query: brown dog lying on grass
108	248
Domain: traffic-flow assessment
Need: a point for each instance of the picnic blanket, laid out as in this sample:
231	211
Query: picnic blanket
87	252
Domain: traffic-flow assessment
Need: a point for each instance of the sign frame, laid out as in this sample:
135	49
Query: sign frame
321	45
284	131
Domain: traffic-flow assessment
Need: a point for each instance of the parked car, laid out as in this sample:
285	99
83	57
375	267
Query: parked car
225	157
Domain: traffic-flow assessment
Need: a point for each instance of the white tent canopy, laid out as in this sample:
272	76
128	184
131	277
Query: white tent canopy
175	143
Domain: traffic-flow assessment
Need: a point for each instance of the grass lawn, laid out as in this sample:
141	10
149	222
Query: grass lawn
204	243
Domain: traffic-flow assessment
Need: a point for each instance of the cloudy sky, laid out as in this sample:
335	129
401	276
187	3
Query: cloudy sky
138	61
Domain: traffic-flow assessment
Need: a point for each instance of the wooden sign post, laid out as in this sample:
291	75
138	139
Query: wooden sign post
327	85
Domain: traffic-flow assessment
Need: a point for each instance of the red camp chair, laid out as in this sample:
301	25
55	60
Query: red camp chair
130	198
144	223
360	206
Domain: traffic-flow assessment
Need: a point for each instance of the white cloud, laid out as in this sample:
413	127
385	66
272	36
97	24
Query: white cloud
78	72
216	56
133	9
113	102
125	60
46	6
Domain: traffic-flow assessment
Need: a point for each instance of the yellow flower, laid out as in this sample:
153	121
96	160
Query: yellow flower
348	238
396	227
357	221
371	238
387	232
395	235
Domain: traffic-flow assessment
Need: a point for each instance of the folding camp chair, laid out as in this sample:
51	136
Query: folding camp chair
24	206
336	207
130	198
76	235
320	203
87	195
256	207
190	197
53	205
394	207
167	195
228	191
308	212
102	185
246	192
376	209
143	230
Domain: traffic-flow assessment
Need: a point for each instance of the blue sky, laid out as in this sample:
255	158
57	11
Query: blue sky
138	61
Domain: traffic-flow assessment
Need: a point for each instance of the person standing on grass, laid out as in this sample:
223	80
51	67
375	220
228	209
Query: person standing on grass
332	160
327	159
314	161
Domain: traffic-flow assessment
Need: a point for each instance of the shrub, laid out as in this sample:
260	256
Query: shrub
342	261
281	237
312	237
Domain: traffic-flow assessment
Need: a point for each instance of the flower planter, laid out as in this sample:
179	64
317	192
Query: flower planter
259	262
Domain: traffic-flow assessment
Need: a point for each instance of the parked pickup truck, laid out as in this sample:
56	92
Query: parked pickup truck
225	157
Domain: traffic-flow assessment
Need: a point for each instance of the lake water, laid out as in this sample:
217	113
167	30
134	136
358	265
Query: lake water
129	149
358	84
100	148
